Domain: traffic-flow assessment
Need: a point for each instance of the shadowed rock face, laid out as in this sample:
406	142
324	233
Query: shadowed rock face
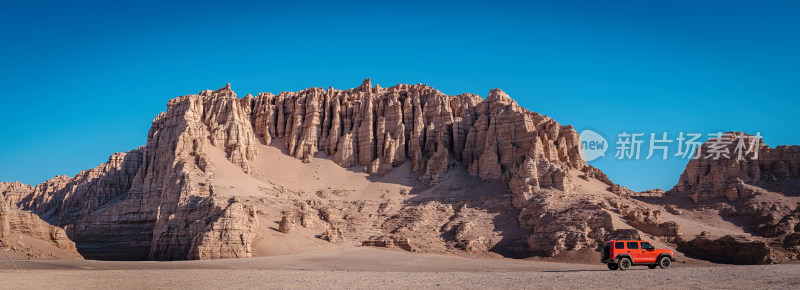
157	201
15	222
729	249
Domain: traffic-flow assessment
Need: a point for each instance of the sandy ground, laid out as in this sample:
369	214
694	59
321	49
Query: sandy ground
371	268
23	247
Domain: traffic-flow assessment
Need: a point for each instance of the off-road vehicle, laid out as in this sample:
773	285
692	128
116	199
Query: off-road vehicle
624	254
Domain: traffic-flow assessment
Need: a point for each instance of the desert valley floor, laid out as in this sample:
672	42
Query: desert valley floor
371	268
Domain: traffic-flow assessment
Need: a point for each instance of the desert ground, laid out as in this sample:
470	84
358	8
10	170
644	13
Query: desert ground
372	268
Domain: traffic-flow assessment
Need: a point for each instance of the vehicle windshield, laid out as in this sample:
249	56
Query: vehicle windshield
647	246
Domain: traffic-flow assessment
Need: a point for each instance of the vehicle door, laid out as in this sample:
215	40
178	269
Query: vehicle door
635	251
619	248
648	253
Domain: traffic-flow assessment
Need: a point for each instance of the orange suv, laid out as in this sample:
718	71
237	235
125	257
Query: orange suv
624	254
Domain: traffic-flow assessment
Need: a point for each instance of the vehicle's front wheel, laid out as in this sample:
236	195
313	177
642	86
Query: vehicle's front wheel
664	262
652	266
624	264
612	266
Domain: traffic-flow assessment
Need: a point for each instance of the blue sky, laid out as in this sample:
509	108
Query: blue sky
81	81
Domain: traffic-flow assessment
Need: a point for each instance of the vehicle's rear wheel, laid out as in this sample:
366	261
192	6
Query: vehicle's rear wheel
612	266
664	262
624	264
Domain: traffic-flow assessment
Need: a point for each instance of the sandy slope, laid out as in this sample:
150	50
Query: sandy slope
691	222
279	182
27	247
700	217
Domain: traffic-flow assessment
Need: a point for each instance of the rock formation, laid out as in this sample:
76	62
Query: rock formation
18	225
158	201
287	223
496	178
11	193
388	242
379	128
383	127
729	249
741	177
729	164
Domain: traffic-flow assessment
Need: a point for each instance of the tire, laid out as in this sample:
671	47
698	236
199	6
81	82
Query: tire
612	266
664	262
652	266
624	264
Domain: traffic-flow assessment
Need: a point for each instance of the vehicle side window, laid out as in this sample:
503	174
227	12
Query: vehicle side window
646	246
633	245
619	245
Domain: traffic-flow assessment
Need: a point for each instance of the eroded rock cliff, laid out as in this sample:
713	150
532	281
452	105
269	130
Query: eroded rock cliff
158	201
488	177
737	165
381	128
739	176
384	127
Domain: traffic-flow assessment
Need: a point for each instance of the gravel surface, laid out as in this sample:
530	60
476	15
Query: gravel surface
717	277
372	268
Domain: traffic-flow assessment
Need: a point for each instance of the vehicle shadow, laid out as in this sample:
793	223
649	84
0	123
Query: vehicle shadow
598	270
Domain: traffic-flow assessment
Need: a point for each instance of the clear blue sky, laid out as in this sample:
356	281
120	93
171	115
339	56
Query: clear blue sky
81	81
